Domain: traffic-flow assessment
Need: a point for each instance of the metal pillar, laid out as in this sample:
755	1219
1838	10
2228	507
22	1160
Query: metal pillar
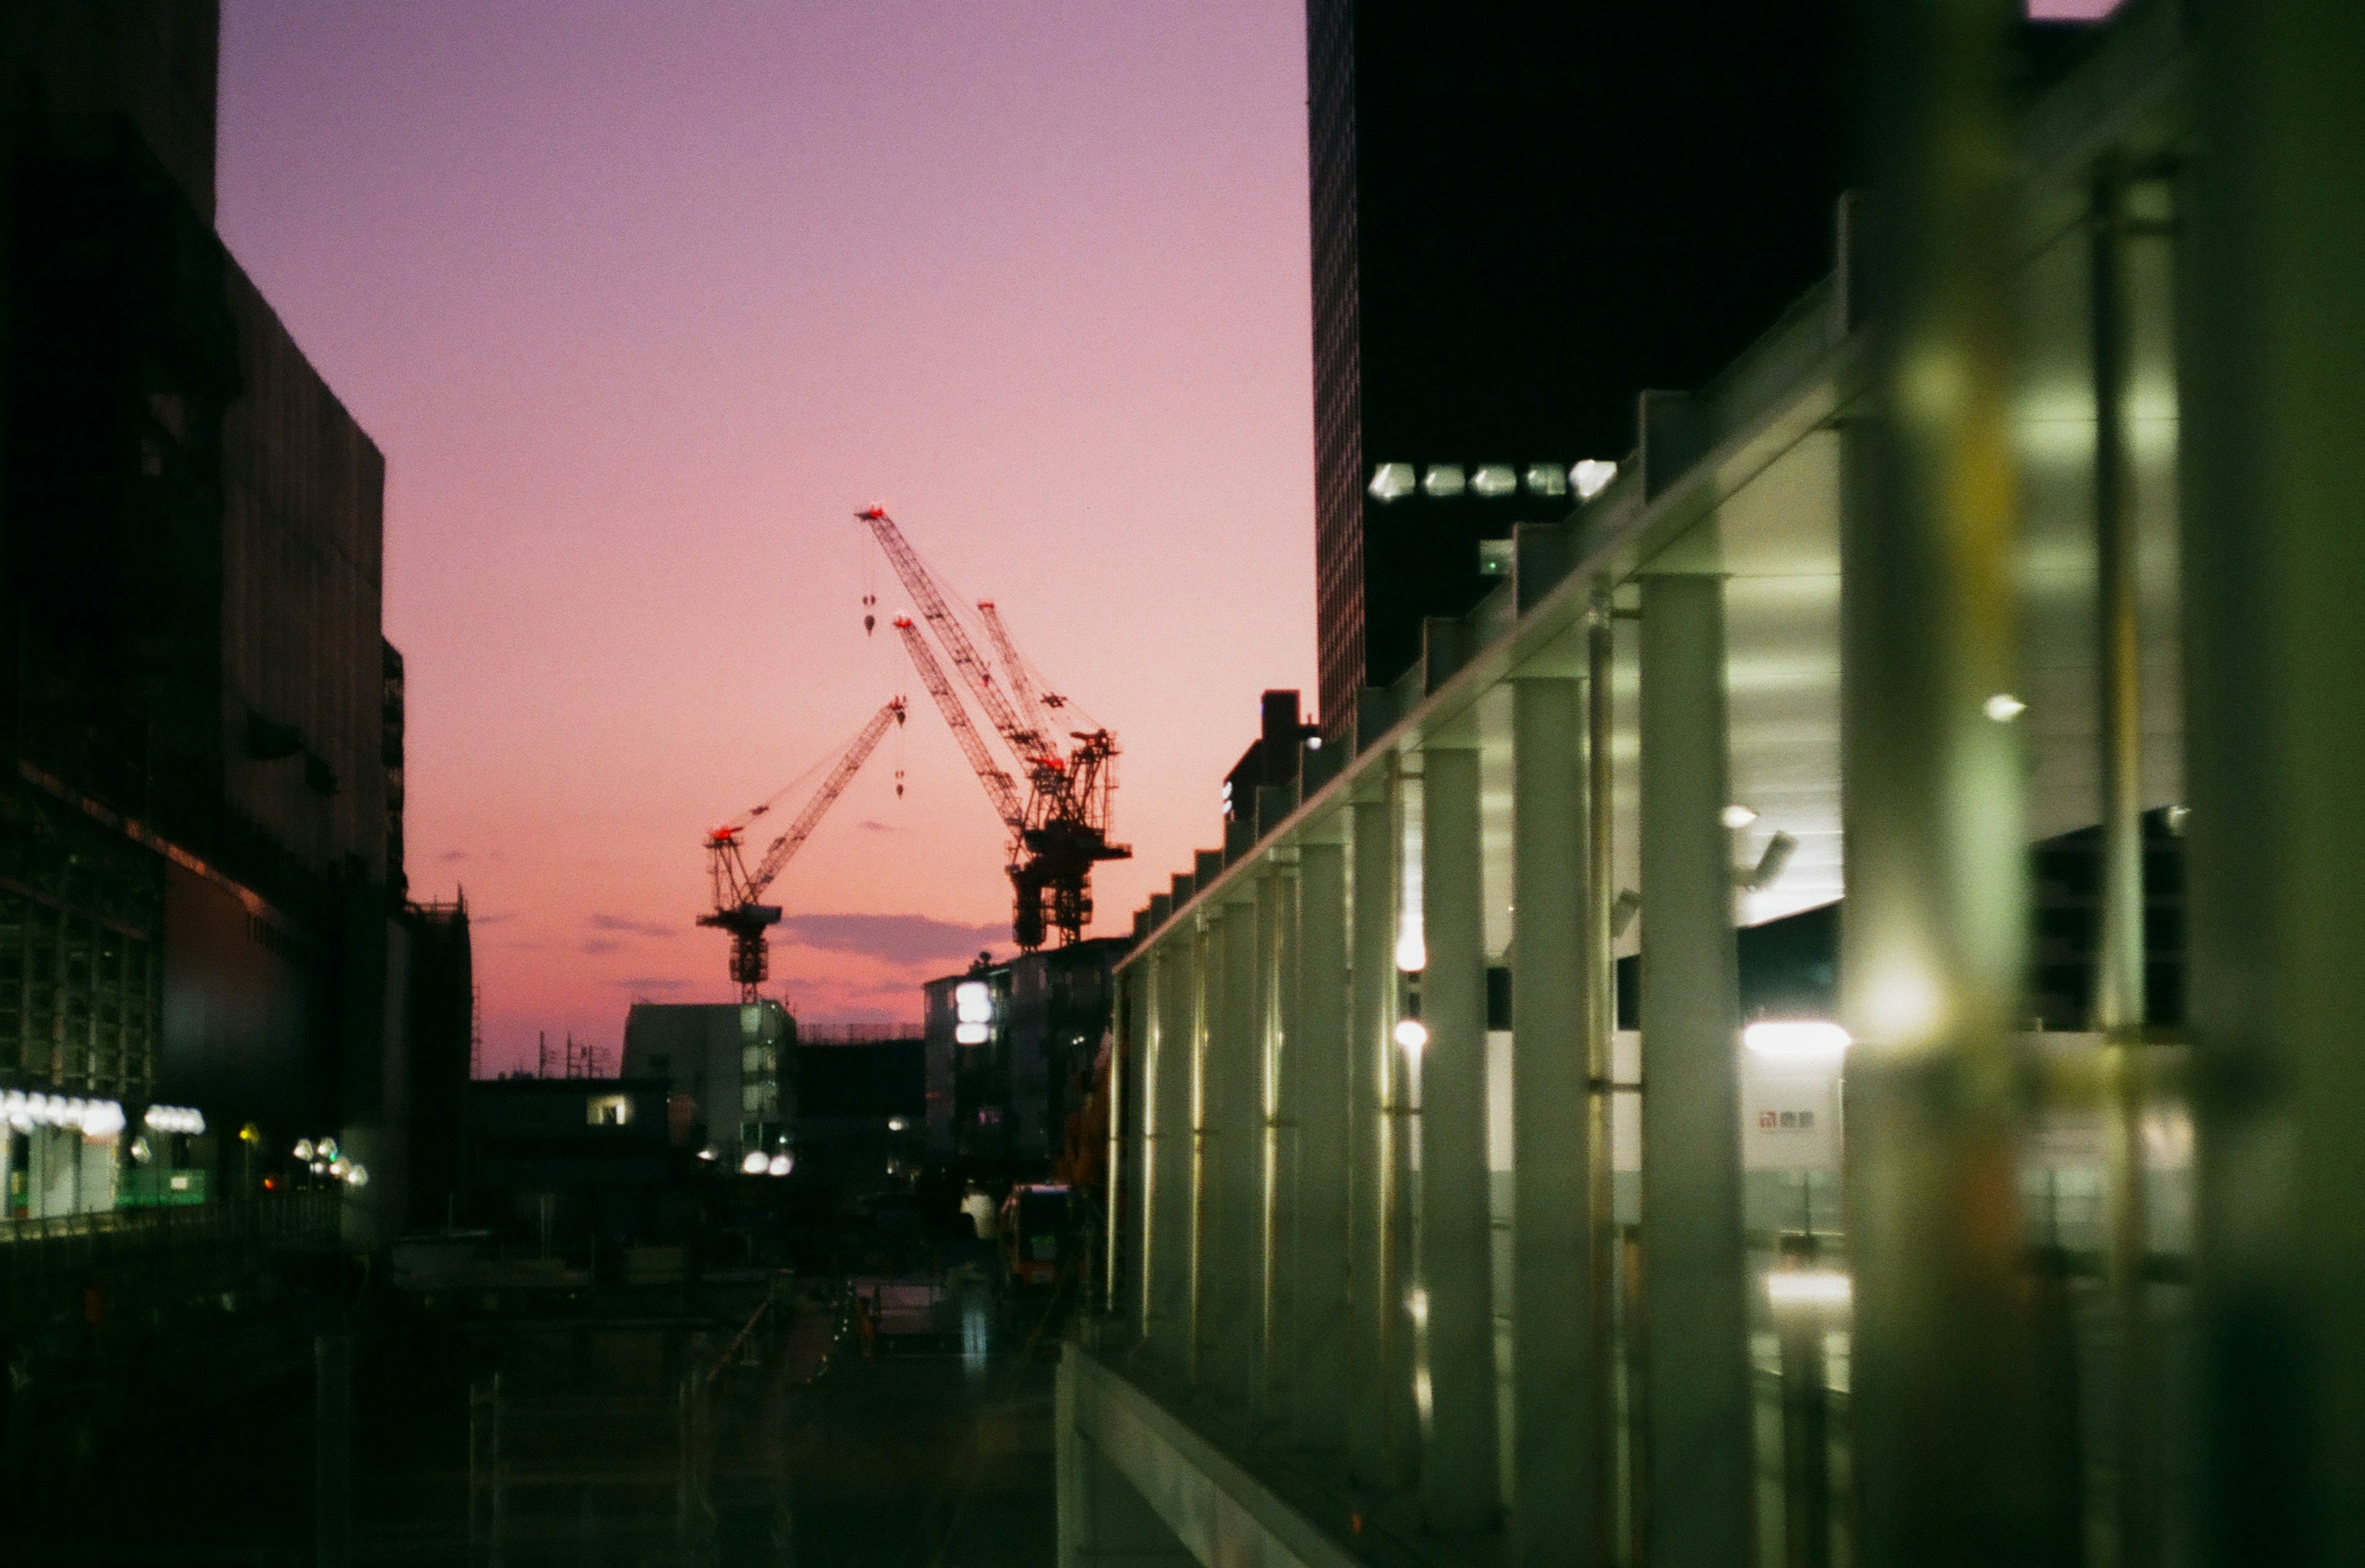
1320	1081
1459	1488
1228	1145
2119	979
1557	1416
1174	1178
1374	1442
1600	1026
1694	1269
1951	1458
2272	353
1207	955
1276	899
1125	1058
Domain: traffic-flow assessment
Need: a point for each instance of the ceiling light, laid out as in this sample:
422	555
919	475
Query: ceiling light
1797	1039
1494	479
1391	482
2004	708
1591	477
1737	817
1442	480
1412	1034
1547	479
755	1163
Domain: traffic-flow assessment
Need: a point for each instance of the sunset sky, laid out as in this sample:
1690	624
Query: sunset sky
643	301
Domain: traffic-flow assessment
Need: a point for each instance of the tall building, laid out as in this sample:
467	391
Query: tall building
202	921
1524	213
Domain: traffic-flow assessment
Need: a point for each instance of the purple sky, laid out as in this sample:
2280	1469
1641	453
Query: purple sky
643	301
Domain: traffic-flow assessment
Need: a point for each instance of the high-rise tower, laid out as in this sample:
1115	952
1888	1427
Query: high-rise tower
1524	213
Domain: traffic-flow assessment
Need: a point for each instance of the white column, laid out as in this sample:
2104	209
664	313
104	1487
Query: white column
1374	1322
1701	1438
1459	1487
1318	1079
1557	1419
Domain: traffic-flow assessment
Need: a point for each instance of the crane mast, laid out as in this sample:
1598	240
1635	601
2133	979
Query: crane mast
1028	743
1033	700
1061	830
998	787
738	892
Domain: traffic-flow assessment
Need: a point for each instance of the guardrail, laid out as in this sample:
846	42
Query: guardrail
275	1219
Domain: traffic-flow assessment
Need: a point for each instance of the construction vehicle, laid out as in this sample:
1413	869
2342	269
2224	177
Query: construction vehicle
738	907
1059	828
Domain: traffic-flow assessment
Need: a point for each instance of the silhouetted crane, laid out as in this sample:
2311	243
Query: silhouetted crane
738	893
1063	828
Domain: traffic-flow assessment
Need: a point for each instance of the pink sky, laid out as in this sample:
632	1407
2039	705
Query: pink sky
642	301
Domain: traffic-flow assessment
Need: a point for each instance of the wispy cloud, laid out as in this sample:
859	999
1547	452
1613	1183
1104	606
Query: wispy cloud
651	982
866	825
475	920
453	856
634	927
601	944
897	939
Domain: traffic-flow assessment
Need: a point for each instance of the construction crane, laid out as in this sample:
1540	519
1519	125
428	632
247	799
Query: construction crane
1061	829
738	907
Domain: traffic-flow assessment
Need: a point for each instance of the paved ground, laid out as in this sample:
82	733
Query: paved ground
939	1459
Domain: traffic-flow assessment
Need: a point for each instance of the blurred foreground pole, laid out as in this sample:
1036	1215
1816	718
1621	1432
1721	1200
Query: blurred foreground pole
332	1448
1945	1387
2273	366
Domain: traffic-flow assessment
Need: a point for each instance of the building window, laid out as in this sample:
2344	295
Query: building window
607	1110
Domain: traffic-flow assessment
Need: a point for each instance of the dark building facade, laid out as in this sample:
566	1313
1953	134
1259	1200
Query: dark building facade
1009	1064
1524	215
201	888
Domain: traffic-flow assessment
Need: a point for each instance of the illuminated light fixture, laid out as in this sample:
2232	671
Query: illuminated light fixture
1443	481
781	1164
1412	1034
894	1123
1737	817
2176	817
1797	1039
141	1152
104	1118
970	1034
1392	482
1591	477
972	1003
174	1119
1803	1287
320	1168
1412	952
2004	708
1416	1303
755	1162
707	1153
326	1148
1494	479
303	1149
1547	479
356	1174
1313	742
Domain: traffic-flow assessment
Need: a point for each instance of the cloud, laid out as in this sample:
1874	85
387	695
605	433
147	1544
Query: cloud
601	944
866	825
897	939
452	856
636	927
474	919
651	982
